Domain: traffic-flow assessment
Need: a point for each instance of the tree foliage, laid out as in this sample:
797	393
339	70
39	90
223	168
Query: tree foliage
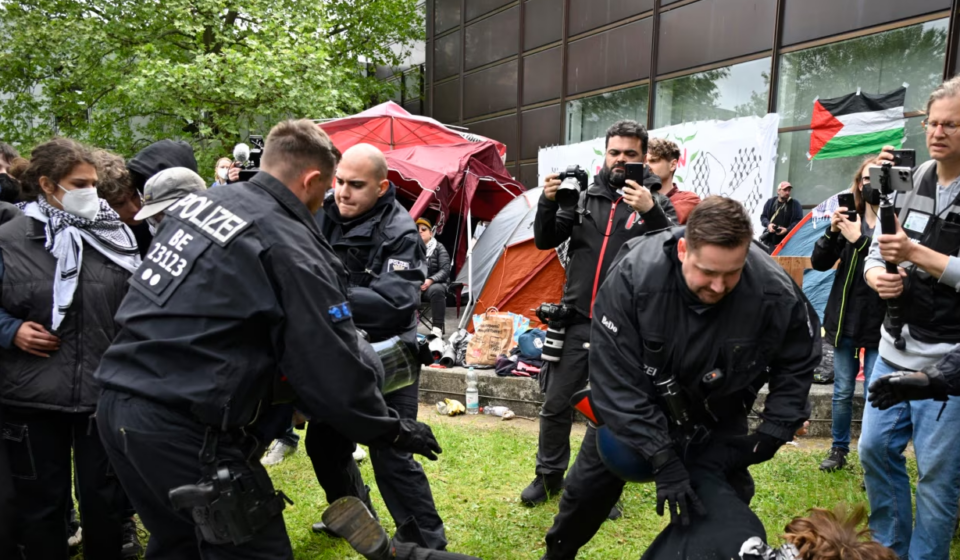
124	73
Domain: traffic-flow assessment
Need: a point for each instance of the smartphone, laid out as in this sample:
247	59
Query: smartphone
849	202
905	158
901	178
635	172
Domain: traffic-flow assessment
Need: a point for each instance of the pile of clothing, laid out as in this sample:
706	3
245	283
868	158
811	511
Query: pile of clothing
525	360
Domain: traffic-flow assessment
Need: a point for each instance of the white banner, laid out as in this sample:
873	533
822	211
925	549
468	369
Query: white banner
735	158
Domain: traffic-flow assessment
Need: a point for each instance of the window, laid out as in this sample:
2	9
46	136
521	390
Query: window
590	117
876	64
814	181
412	83
734	91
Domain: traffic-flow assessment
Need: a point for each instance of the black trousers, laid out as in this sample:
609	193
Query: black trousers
436	294
591	490
563	379
400	479
7	504
155	449
39	444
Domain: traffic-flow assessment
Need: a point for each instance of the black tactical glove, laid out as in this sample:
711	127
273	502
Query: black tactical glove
417	437
673	487
895	388
743	451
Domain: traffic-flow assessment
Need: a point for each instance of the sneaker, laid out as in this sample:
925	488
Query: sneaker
836	460
131	540
437	332
277	453
359	454
74	531
616	512
541	489
76	539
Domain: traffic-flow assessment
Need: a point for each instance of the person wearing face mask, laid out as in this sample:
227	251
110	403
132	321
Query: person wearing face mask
854	312
614	211
65	265
222	172
163	190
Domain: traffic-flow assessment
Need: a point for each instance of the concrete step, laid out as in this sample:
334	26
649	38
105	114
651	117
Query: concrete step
523	396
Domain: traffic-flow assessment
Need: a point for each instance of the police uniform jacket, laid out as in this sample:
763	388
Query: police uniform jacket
384	257
763	331
597	227
239	285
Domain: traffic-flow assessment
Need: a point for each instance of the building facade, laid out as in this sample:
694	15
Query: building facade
535	73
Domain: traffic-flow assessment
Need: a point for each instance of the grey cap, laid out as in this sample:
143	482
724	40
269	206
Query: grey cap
167	187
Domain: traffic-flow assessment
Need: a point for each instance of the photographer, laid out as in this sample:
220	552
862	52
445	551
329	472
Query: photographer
925	246
703	312
606	215
780	214
854	311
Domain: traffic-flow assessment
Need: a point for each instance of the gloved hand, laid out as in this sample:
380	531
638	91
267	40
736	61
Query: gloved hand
743	451
673	488
417	437
901	386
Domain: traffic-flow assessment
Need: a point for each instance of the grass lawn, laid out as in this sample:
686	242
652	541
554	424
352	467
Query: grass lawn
486	463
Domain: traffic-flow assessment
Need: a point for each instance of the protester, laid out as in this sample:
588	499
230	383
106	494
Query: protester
7	154
854	311
925	246
221	171
242	293
7	503
780	215
48	389
662	158
164	190
115	187
596	236
702	312
434	288
377	242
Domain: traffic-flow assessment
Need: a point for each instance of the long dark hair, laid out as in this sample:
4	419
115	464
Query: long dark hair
855	189
55	160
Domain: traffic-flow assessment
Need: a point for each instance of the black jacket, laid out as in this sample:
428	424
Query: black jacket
765	322
854	309
240	285
159	156
383	255
438	265
788	217
64	381
596	228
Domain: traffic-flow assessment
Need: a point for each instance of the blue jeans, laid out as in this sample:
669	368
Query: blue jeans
846	366
884	436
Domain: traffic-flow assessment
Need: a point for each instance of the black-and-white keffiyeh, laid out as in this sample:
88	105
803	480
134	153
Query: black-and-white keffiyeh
756	549
65	236
431	246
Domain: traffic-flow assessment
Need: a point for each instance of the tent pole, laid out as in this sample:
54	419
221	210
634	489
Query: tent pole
470	245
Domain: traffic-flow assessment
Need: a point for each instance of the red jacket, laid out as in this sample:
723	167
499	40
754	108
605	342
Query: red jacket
683	202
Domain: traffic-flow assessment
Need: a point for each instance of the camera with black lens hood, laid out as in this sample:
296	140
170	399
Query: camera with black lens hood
556	317
572	182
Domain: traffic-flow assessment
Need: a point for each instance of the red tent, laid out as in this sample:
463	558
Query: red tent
389	126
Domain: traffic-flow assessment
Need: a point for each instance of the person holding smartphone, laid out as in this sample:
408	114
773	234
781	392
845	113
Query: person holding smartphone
854	311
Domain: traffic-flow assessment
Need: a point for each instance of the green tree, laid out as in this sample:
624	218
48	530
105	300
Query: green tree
123	73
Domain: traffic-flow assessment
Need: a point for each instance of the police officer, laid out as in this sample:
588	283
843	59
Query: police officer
378	243
610	212
239	284
705	307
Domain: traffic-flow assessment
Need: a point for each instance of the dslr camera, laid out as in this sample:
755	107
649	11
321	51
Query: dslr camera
556	317
572	182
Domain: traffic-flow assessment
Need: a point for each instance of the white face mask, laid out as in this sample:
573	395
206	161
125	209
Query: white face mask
83	203
153	222
222	173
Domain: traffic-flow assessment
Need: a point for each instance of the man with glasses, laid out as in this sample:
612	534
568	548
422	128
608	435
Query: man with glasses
926	246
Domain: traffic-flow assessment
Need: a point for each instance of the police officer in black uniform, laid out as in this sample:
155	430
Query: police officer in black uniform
238	289
609	213
378	242
704	308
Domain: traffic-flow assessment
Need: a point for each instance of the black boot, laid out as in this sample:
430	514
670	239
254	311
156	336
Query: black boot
321	527
836	460
541	489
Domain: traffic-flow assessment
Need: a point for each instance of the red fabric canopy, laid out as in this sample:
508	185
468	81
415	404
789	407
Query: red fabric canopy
389	126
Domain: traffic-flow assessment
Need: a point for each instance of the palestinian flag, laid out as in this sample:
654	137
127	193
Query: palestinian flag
856	124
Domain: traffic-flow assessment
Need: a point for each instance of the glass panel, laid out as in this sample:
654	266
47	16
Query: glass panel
446	102
492	39
542	75
735	91
590	14
590	117
543	23
476	8
490	90
446	56
446	15
611	58
814	181
412	83
876	64
395	89
803	19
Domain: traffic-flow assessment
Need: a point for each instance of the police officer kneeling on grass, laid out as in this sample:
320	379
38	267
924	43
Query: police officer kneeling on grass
688	326
238	288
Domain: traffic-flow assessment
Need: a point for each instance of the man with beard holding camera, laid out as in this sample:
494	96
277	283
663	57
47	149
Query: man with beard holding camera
606	215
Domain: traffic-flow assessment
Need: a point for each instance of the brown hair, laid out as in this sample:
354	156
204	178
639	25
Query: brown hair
834	535
18	166
8	152
55	160
855	188
293	146
113	183
664	149
719	221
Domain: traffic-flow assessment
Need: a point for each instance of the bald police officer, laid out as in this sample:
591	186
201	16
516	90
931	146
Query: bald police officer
238	288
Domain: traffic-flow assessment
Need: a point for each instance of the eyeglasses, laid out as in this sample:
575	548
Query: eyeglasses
949	127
